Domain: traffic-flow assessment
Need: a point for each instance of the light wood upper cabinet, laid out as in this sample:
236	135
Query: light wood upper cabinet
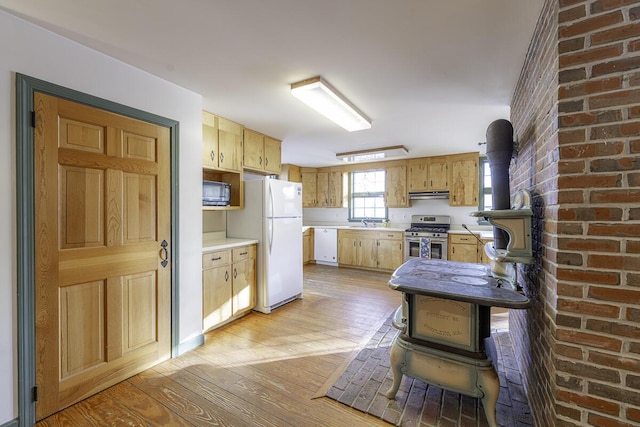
261	153
463	179
438	174
209	140
230	145
322	188
221	143
272	155
428	174
222	156
396	187
291	173
253	156
325	187
336	196
309	188
417	176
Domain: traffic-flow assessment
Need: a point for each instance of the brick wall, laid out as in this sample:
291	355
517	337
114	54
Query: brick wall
576	115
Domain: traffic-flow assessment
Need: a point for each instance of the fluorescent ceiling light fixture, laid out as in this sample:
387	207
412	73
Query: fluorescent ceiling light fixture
326	100
372	154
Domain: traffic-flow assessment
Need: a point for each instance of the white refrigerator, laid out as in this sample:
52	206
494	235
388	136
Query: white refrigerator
272	214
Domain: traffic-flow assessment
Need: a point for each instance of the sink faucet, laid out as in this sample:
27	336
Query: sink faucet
368	224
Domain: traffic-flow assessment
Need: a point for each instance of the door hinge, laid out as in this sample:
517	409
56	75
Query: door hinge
34	393
33	119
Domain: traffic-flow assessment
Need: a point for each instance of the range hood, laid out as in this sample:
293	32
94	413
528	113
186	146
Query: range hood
428	195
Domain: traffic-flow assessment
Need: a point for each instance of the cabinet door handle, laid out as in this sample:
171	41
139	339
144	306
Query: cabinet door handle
235	273
216	258
260	161
266	162
213	155
226	276
243	253
221	157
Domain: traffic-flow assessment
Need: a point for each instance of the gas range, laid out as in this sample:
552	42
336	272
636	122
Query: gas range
427	236
428	226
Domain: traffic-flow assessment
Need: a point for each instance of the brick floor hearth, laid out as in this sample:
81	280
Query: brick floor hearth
367	377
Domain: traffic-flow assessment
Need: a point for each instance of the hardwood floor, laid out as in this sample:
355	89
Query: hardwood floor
262	370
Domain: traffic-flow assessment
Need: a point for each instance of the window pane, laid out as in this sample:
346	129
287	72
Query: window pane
486	199
488	202
367	195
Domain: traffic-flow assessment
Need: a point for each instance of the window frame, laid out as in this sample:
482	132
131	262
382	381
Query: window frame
377	194
483	190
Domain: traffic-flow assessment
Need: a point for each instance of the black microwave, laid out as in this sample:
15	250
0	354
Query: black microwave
215	193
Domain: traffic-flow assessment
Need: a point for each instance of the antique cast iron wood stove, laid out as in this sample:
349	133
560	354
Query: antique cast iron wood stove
445	311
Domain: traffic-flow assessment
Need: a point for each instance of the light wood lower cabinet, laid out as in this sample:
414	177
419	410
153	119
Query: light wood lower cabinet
467	248
307	246
390	251
370	249
482	256
228	285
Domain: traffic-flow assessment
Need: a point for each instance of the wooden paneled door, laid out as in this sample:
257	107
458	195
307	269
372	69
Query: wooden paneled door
102	227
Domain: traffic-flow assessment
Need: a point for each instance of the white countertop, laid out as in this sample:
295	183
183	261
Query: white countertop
219	241
484	234
355	227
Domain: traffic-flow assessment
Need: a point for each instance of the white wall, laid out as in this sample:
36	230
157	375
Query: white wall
30	50
398	217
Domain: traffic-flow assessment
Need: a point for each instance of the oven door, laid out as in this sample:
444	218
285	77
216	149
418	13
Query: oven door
437	248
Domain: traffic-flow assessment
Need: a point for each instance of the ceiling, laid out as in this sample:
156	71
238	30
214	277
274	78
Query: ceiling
431	74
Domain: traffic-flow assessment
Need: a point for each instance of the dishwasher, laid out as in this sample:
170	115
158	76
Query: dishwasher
325	246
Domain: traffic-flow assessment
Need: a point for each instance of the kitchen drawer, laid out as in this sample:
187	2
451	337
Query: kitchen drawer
215	259
391	235
463	239
245	252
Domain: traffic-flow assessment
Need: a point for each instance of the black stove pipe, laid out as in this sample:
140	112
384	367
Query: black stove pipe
499	154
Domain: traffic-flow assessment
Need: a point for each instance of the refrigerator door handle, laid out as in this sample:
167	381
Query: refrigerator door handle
270	234
270	210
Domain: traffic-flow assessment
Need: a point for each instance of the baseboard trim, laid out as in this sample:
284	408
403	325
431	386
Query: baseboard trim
189	345
12	423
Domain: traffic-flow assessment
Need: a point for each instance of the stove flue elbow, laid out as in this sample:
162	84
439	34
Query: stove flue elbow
500	142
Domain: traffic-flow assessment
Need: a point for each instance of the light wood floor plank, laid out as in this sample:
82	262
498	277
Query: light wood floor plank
261	370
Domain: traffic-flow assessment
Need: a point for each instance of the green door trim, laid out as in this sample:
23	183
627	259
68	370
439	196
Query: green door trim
25	88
